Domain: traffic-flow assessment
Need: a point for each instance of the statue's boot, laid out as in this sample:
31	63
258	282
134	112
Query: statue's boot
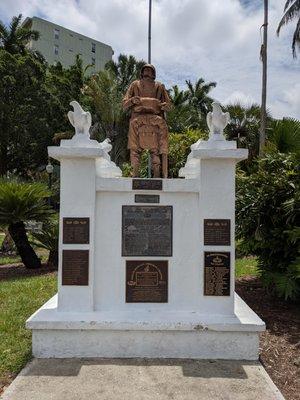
164	165
156	171
155	160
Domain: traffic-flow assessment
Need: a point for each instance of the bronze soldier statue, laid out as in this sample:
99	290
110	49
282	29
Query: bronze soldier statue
148	101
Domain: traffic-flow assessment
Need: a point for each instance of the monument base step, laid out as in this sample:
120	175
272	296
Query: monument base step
159	334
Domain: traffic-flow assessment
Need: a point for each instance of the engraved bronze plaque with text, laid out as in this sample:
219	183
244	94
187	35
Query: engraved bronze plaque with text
76	230
146	184
146	198
147	231
75	267
146	281
217	232
216	273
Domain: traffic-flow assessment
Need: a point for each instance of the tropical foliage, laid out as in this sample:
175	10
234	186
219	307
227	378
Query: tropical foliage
268	218
19	203
292	12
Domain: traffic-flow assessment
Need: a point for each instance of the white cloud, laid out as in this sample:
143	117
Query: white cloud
218	40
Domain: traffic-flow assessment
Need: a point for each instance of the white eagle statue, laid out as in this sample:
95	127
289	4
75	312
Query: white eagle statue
217	121
80	119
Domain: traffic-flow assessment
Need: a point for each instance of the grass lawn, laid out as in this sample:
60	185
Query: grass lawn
20	297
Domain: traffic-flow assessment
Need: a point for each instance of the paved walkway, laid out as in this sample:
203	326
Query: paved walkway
139	379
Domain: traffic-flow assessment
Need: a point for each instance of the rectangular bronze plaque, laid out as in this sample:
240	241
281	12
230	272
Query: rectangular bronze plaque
147	230
217	232
146	198
76	230
146	281
75	267
146	184
216	273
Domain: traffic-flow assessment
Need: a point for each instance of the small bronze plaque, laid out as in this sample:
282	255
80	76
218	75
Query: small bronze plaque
146	184
216	273
146	198
147	231
76	230
217	232
146	281
75	267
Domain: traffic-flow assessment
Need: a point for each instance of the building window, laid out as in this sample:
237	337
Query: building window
56	49
56	33
93	60
93	47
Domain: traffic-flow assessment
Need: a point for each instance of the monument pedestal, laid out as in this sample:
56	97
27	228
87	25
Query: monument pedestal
147	266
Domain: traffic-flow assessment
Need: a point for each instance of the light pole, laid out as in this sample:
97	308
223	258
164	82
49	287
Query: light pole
49	170
149	62
264	58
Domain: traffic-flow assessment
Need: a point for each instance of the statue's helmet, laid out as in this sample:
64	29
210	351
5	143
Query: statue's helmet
148	66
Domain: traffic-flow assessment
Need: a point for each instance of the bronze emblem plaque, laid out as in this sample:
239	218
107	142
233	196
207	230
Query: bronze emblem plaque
147	230
146	281
146	198
217	232
75	267
76	230
146	184
216	273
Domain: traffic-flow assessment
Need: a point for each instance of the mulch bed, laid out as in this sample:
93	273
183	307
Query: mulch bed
11	271
280	343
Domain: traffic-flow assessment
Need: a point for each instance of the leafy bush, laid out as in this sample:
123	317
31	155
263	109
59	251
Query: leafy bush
179	149
268	204
47	238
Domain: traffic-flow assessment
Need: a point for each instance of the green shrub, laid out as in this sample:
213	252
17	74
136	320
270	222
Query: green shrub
268	203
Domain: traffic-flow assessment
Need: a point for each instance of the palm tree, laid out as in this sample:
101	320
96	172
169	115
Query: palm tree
284	136
47	238
126	70
15	37
19	203
291	12
178	97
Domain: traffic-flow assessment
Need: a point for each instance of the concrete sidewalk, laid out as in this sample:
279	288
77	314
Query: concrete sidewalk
141	379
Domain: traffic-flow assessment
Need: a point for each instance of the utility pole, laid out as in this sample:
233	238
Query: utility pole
264	58
149	62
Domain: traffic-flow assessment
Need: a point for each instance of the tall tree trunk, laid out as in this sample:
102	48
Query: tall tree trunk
26	252
263	118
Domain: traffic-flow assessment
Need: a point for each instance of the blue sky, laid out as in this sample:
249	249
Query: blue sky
218	40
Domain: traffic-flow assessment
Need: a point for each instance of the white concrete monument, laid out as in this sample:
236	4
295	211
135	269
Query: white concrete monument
146	266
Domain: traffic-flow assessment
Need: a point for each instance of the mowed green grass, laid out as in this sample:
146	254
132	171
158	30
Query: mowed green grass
19	298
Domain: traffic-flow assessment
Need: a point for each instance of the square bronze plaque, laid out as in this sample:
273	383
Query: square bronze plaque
217	232
146	184
146	198
216	273
147	231
76	230
75	267
146	281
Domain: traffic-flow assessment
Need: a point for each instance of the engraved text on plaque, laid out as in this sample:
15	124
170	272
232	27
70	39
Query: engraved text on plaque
146	281
216	273
147	231
217	232
76	230
75	267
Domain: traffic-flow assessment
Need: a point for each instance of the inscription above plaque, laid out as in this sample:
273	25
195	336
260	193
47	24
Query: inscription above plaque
217	232
146	184
146	198
76	230
147	231
216	273
75	267
146	281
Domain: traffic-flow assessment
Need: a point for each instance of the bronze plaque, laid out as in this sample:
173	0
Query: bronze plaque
147	231
216	273
146	281
76	230
146	198
217	232
146	184
75	267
